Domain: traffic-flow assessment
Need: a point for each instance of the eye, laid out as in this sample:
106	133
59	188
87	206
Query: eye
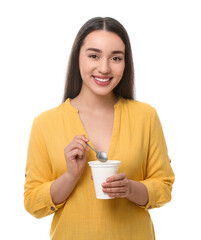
117	59
93	56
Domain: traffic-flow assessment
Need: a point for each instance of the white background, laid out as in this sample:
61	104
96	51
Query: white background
36	38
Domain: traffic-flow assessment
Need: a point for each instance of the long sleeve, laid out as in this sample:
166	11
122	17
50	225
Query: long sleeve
37	197
137	142
159	175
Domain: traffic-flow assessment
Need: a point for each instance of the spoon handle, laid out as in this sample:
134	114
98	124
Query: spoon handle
92	148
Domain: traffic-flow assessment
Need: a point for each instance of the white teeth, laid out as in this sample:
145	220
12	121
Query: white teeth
102	80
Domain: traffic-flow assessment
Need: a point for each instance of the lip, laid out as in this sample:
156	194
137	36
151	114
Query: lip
102	77
102	80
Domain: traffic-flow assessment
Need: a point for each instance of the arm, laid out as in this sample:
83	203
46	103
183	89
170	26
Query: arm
42	194
119	186
75	154
62	187
138	193
159	175
155	189
37	198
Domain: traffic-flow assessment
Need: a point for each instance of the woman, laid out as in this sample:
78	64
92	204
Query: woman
99	108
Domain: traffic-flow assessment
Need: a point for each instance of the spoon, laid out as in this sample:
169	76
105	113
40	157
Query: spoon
102	156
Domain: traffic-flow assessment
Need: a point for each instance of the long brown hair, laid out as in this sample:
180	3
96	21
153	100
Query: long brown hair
73	83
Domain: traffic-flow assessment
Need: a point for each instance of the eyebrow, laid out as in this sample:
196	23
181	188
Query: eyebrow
99	51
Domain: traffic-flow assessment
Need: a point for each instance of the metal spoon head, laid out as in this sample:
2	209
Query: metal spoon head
102	156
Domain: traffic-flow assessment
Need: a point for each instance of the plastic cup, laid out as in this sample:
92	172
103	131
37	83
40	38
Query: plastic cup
100	172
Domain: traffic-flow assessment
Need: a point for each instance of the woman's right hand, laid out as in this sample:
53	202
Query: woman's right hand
75	154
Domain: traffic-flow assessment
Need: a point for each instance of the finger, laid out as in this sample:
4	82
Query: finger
82	137
116	177
77	139
115	190
76	153
71	153
82	142
120	183
85	140
77	144
118	195
118	191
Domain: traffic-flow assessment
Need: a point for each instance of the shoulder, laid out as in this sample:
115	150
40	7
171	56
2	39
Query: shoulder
50	117
138	107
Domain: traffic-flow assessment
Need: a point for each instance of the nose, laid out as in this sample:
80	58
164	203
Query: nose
104	66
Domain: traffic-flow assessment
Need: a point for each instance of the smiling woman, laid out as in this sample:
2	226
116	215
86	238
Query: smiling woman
106	26
101	62
98	108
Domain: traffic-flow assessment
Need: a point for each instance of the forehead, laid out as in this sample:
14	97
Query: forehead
102	39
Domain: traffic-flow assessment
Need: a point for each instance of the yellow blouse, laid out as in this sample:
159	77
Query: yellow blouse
137	141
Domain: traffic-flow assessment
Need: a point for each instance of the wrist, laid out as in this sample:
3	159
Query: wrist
138	193
130	189
70	178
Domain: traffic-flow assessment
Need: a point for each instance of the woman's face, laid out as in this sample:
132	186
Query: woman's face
101	62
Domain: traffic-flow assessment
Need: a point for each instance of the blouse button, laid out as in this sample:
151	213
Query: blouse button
52	208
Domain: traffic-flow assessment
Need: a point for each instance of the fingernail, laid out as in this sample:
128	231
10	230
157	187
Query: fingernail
84	136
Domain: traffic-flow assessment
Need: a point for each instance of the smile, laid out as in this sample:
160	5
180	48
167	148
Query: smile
102	81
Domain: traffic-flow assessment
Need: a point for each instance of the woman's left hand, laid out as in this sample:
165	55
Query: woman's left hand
117	185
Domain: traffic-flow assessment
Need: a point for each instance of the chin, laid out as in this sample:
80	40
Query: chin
103	92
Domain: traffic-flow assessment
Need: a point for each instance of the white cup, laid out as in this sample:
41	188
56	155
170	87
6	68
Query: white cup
100	172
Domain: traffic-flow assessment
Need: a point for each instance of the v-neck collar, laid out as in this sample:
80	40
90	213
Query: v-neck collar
115	131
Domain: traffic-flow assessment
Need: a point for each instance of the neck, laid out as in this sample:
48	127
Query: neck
94	102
